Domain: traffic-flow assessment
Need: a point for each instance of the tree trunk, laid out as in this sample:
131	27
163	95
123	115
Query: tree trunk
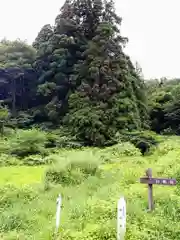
13	92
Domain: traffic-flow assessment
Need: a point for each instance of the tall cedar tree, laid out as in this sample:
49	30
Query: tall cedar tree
83	64
110	97
57	55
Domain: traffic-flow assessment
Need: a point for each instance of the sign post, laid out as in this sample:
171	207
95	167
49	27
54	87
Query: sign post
58	212
150	181
121	218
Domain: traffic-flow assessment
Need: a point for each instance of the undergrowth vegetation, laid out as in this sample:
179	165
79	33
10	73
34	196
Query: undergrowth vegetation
72	171
91	181
36	147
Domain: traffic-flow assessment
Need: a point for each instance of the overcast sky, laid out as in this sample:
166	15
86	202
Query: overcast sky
152	27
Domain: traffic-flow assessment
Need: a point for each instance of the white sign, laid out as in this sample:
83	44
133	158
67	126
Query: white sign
58	212
121	218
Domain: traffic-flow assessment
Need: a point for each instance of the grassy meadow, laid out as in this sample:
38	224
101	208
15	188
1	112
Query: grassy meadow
91	180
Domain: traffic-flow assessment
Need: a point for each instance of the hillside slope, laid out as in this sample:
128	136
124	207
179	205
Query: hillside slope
89	209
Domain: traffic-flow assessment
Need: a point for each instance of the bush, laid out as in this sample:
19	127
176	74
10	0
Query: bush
167	146
14	216
27	142
8	132
23	120
34	160
123	149
62	141
61	138
14	221
71	172
6	160
143	140
4	146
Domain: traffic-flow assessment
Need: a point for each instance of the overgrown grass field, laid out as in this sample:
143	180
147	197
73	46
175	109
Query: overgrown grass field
91	181
21	175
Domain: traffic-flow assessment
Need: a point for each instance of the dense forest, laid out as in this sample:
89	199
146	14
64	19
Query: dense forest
76	77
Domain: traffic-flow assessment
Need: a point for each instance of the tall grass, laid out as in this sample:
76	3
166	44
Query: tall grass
89	206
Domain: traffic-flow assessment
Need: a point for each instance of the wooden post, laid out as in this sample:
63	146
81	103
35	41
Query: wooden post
149	180
150	190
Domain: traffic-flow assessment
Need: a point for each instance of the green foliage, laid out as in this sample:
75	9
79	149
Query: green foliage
86	123
7	160
46	88
16	54
144	140
122	149
98	123
43	36
17	84
164	106
4	146
166	146
89	209
34	160
87	85
85	80
4	115
15	219
72	172
108	97
60	138
20	175
85	73
8	132
28	142
32	147
22	120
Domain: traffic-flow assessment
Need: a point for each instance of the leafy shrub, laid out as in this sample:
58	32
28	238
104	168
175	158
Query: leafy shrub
61	138
123	149
143	140
55	140
94	231
4	146
13	214
8	132
34	160
4	115
11	194
68	142
168	146
27	142
71	171
51	140
167	131
6	160
23	120
14	221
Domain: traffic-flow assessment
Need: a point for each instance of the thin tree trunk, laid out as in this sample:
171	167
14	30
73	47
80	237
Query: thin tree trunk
13	91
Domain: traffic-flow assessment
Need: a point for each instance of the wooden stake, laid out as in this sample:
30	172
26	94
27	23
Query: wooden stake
149	180
150	190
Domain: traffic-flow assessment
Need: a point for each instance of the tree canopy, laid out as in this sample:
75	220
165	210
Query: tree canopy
86	75
77	75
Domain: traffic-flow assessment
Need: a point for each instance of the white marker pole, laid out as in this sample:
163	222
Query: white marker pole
121	218
58	212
